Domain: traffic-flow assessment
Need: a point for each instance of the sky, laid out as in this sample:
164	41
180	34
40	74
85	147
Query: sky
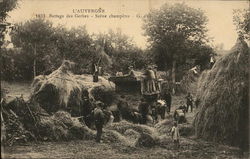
219	13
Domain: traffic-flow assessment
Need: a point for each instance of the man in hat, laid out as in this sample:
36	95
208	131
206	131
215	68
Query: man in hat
168	99
99	118
189	102
95	72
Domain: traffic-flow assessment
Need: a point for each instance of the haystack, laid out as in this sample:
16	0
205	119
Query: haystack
189	82
223	93
122	126
63	90
164	127
145	140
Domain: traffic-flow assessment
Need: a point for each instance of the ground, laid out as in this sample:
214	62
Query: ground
190	146
91	149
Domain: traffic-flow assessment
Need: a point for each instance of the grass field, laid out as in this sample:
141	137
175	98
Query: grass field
190	146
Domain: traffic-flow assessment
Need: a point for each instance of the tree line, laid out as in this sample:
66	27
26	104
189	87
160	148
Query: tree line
40	48
177	37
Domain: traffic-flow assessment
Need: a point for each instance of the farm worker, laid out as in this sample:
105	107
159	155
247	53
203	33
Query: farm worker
161	108
168	99
86	109
197	102
99	118
150	80
95	72
189	102
109	118
131	72
144	110
179	113
175	135
122	106
136	117
154	112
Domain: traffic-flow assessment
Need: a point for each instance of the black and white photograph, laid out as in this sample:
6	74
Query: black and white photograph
125	79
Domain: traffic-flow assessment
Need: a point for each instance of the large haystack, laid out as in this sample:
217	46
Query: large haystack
224	99
63	89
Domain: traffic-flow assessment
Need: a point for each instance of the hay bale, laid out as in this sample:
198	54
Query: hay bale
164	126
63	90
61	126
189	82
164	141
132	134
115	137
224	99
122	126
145	140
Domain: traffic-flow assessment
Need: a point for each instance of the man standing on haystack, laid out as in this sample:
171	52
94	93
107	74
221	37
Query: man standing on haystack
99	118
95	72
131	72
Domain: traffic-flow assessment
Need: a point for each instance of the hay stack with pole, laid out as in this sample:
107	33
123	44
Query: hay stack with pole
64	90
223	93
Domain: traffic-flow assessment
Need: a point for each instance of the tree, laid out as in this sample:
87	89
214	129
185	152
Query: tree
121	49
241	20
5	7
173	30
76	45
34	37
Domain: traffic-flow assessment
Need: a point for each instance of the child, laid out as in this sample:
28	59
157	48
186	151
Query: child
175	135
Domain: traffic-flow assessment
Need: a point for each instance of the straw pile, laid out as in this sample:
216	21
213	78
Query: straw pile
123	126
63	90
27	121
189	82
164	128
223	94
61	126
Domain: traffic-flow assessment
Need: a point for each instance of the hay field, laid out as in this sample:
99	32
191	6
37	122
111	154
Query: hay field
190	147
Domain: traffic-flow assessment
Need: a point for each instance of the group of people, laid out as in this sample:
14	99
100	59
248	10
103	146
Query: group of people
93	114
179	113
149	110
179	117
